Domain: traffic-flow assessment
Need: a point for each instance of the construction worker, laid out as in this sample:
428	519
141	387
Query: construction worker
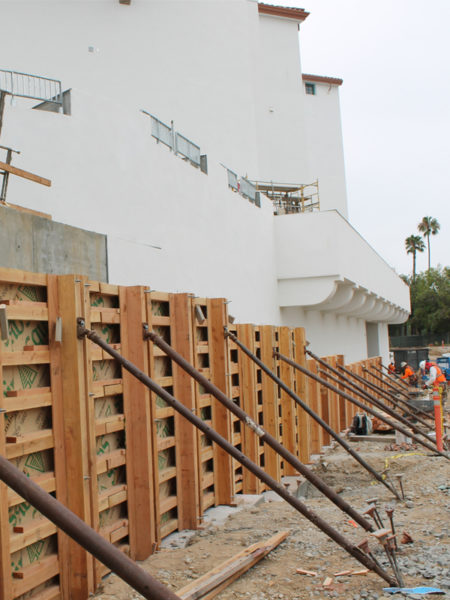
391	368
436	377
408	374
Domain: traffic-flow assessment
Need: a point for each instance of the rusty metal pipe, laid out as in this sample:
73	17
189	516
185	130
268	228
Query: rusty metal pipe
312	414
354	389
364	407
397	389
405	407
312	477
234	452
395	377
371	398
89	539
389	410
412	408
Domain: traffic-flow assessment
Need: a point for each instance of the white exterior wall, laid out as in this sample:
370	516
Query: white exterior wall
190	61
332	282
283	153
215	67
325	147
119	181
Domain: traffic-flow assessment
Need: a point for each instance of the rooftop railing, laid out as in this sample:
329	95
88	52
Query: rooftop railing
35	87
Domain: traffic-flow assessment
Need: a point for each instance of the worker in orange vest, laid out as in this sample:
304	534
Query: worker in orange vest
436	377
391	368
408	374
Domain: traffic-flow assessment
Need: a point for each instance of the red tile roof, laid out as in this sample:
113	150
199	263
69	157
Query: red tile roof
298	14
321	79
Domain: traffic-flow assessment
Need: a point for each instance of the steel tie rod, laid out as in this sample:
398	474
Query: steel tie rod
415	411
374	401
364	406
84	535
389	410
235	453
385	381
394	377
405	407
312	477
312	414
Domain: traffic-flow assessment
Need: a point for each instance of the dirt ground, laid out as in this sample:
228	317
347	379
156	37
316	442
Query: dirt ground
424	515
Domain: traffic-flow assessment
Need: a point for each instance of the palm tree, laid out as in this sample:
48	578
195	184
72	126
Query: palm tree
414	244
428	226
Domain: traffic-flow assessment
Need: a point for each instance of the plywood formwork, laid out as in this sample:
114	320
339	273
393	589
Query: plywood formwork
235	392
138	470
31	550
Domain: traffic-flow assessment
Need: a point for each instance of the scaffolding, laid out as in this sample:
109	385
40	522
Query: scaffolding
289	198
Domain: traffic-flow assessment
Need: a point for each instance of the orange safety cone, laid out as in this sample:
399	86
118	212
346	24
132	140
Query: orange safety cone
438	418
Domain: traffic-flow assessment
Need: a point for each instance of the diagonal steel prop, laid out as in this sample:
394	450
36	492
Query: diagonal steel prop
389	410
353	388
364	406
312	413
84	535
415	410
314	518
405	407
384	381
375	401
312	477
395	378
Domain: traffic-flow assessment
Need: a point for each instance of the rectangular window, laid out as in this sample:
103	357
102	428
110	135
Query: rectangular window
310	89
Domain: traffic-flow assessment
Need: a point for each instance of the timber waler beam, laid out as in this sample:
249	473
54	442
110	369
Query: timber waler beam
361	556
313	415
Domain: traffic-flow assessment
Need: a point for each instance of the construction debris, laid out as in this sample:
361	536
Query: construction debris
213	582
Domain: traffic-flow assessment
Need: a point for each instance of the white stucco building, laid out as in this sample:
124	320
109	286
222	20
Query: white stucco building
228	74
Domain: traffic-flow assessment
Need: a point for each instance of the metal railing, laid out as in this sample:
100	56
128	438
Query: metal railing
178	143
25	85
242	185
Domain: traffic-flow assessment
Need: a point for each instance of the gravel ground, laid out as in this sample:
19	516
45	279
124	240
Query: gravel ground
424	515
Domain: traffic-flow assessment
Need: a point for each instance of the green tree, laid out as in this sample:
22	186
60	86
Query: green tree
428	226
430	302
414	244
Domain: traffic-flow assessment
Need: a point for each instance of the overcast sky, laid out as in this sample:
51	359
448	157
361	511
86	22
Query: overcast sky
394	58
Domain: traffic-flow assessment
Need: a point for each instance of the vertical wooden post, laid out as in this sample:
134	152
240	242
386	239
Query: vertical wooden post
136	399
71	299
247	374
343	417
316	430
186	435
334	402
302	390
221	417
288	405
270	401
325	409
56	375
5	555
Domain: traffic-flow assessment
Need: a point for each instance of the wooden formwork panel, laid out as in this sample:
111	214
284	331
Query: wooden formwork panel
316	439
234	392
301	387
106	419
210	357
31	551
288	407
201	335
174	440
